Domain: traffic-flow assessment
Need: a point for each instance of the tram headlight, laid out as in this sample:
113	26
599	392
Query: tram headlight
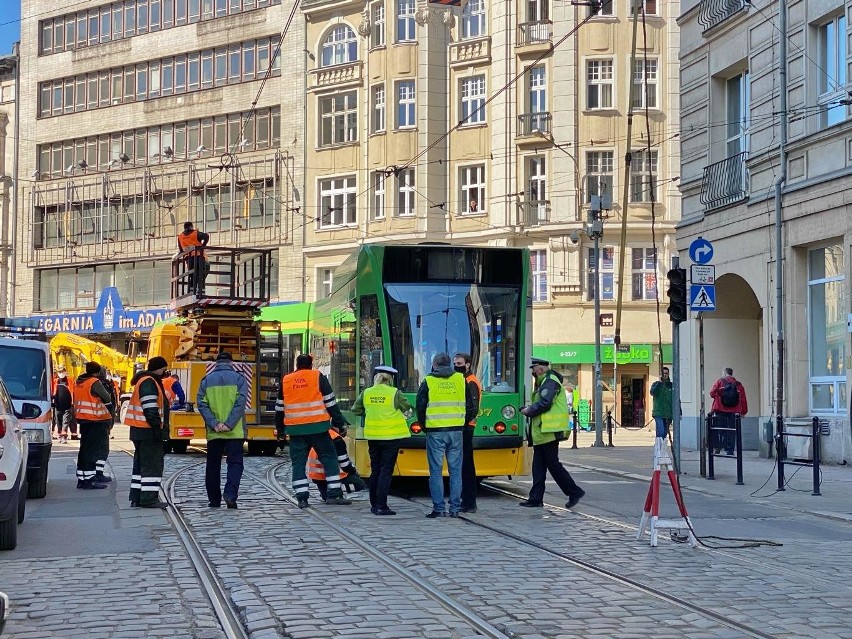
508	412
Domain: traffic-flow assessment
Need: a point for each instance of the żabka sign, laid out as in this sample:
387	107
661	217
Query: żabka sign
109	317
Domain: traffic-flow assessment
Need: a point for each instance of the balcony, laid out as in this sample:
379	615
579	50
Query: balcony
715	12
536	212
534	37
340	75
534	127
469	52
725	183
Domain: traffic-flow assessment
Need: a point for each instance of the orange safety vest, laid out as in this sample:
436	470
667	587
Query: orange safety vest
167	386
303	401
315	469
473	378
88	406
135	413
190	241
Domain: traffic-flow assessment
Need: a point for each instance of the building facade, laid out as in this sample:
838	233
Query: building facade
8	137
141	115
495	124
731	161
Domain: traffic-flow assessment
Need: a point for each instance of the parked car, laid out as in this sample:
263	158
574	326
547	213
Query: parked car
13	472
4	611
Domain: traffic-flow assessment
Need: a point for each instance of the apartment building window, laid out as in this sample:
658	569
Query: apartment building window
337	202
832	74
473	100
405	190
405	25
472	187
325	283
827	330
406	100
117	20
599	173
139	283
537	90
379	111
737	110
379	179
377	35
473	19
648	7
644	274
192	71
538	267
340	46
536	191
338	118
605	8
599	84
606	273
538	10
641	97
643	176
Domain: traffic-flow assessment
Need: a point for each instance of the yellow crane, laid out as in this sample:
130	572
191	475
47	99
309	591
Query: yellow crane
73	351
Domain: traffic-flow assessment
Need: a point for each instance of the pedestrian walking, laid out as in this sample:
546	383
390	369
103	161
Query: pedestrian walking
148	419
349	476
462	364
191	245
548	415
305	411
63	407
661	391
384	409
729	400
94	409
222	397
444	407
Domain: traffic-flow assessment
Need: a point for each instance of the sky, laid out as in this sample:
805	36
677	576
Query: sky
10	12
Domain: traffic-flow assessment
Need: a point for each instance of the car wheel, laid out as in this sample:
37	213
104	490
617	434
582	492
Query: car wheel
22	504
9	531
38	488
122	411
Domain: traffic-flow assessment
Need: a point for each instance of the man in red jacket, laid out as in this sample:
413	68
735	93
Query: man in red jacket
729	400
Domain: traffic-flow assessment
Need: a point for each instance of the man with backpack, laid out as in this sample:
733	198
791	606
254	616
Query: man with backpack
729	400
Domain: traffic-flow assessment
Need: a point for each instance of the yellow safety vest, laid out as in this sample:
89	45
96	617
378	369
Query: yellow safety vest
446	406
382	419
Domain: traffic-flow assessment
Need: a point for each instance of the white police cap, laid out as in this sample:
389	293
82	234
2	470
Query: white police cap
386	369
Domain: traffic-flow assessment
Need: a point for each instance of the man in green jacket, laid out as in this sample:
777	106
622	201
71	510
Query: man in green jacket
548	415
222	397
661	391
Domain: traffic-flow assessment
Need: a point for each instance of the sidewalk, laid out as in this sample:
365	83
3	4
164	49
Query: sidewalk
632	457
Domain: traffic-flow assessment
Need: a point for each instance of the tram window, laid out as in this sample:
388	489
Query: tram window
371	340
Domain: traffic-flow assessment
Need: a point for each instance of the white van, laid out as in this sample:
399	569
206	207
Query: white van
25	368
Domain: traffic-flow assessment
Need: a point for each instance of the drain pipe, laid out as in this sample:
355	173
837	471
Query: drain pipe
779	247
13	218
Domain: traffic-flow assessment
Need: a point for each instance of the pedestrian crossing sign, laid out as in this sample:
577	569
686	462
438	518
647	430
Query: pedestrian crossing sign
702	297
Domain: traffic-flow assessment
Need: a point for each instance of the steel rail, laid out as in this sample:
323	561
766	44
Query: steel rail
471	618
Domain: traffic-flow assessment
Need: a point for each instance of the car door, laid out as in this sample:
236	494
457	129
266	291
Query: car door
14	434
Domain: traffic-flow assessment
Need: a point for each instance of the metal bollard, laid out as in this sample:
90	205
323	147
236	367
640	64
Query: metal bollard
816	455
739	443
574	431
710	457
609	428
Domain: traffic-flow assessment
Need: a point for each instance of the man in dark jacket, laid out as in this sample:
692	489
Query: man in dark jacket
95	410
661	391
306	410
445	405
103	438
461	364
63	405
148	419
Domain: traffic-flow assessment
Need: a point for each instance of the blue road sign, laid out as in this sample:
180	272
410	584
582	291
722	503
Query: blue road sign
702	297
701	251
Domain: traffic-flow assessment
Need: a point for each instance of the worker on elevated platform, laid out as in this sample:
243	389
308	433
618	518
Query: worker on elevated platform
191	245
305	411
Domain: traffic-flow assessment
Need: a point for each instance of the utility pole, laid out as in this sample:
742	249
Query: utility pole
594	230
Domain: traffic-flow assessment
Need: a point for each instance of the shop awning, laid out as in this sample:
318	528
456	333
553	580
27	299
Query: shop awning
585	353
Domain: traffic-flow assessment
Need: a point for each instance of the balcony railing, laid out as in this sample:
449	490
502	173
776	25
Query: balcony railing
725	182
535	32
714	12
534	123
536	212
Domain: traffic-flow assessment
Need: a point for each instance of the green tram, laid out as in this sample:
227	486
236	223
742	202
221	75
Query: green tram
401	305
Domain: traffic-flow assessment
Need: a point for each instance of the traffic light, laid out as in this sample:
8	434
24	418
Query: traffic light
678	307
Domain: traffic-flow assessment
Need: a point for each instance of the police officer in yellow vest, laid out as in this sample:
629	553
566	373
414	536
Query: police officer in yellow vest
445	406
548	415
385	427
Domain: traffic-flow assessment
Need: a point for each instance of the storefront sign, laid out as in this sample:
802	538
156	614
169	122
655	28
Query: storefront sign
585	353
109	317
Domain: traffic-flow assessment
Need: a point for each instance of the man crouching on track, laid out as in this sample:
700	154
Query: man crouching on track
306	409
148	418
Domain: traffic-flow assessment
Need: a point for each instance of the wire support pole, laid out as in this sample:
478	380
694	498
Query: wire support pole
598	394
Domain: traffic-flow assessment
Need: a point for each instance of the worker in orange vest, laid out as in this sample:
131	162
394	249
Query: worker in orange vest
461	363
94	411
174	391
305	411
349	476
191	245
